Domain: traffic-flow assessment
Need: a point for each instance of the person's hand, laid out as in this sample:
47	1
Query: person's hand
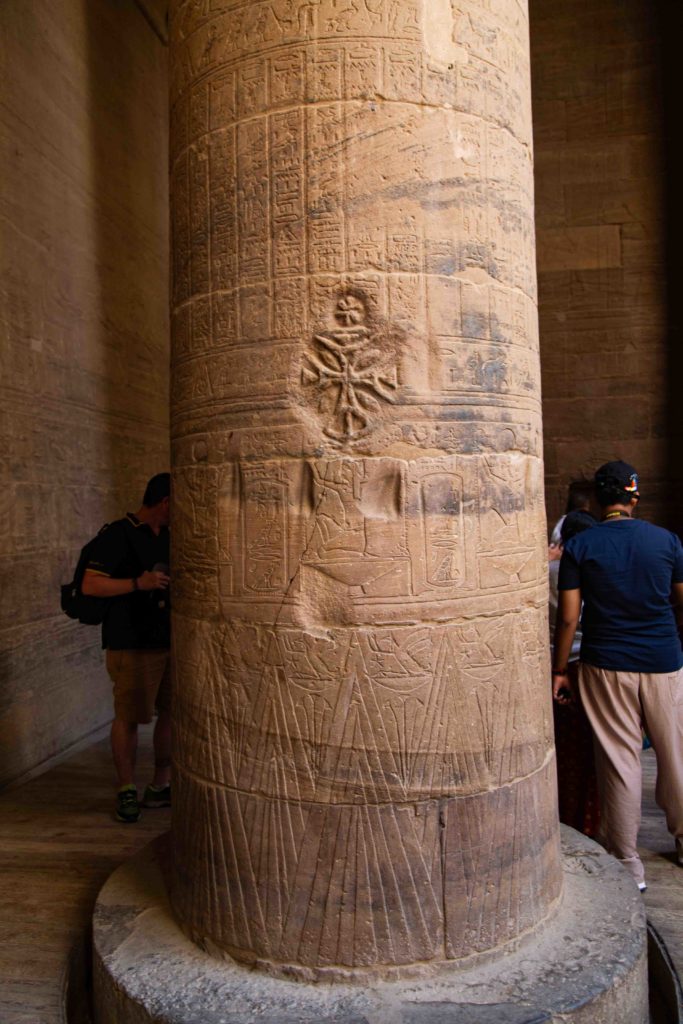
563	691
554	552
152	580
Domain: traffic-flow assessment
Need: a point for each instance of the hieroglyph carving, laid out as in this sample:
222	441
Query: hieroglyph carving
346	370
368	787
364	773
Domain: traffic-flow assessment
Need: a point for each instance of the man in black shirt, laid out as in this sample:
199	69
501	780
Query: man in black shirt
129	568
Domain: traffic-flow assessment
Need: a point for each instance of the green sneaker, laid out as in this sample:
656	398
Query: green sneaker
127	806
157	797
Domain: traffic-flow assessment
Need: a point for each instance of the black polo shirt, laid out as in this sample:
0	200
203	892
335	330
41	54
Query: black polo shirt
139	620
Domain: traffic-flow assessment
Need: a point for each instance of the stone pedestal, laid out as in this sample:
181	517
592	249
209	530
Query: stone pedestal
586	966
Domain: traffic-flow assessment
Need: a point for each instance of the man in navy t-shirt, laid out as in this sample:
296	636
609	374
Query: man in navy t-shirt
629	576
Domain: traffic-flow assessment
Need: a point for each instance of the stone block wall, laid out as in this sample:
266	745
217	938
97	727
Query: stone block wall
600	215
83	338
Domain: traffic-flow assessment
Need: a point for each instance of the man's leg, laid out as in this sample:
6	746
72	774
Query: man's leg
662	699
127	674
162	750
124	728
158	794
612	703
124	747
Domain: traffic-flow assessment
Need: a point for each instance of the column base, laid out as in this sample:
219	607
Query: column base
587	965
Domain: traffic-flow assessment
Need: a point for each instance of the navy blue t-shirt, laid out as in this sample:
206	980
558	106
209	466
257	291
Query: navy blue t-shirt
625	569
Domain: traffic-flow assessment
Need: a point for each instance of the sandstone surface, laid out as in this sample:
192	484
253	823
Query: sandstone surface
364	765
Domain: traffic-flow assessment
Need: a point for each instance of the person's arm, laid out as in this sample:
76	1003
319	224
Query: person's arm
568	615
95	584
677	601
554	552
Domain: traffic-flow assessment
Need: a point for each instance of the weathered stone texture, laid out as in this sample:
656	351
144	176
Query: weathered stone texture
588	965
600	217
364	772
84	351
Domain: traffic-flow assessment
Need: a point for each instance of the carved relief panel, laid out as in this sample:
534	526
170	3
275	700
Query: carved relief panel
360	621
385	535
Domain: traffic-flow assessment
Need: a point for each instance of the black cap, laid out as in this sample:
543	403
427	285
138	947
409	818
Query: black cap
618	476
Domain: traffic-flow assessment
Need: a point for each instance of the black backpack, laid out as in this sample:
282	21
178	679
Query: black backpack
91	611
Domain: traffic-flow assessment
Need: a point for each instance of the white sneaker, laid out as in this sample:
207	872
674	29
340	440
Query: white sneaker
642	886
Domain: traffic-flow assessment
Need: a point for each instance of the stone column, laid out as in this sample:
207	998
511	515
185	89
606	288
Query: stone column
364	770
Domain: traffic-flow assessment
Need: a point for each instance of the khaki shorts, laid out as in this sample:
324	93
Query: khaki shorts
142	681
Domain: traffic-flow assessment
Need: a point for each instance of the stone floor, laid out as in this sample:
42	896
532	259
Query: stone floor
664	896
59	842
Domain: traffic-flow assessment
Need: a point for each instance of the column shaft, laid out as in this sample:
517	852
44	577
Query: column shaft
364	770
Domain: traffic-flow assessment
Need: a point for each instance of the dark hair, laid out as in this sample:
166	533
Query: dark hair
610	495
576	522
158	488
579	496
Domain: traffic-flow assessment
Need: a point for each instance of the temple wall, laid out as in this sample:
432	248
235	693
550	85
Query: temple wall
83	327
601	246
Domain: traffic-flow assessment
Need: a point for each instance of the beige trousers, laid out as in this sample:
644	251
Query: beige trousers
617	705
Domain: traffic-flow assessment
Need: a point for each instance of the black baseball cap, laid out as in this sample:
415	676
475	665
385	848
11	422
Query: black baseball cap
619	476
